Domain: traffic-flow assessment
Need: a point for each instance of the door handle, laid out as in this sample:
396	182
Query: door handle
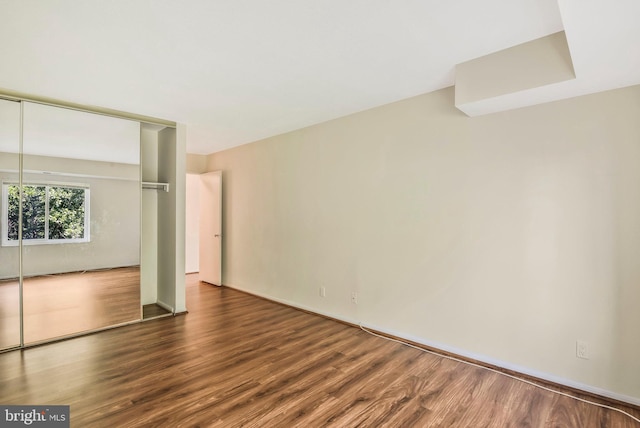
216	236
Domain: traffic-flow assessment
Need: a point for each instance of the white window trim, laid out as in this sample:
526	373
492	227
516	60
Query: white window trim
5	215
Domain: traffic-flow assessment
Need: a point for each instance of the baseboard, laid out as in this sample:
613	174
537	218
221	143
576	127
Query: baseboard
165	306
529	373
296	305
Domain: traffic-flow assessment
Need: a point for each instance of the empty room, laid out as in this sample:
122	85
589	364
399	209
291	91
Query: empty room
325	214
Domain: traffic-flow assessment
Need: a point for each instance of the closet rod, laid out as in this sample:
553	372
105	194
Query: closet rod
148	185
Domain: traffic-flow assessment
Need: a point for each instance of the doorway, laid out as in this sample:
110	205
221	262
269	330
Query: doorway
192	224
203	252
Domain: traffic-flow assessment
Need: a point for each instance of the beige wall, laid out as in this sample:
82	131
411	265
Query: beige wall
505	237
196	164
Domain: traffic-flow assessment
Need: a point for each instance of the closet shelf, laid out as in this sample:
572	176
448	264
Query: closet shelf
155	186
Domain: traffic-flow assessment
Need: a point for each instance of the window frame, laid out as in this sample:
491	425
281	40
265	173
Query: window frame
6	242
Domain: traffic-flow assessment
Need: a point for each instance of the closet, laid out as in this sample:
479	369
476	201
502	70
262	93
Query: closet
92	208
163	211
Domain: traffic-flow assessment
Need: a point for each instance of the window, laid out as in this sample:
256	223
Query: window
51	213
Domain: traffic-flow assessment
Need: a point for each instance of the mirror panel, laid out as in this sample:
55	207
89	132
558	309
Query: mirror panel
9	254
81	221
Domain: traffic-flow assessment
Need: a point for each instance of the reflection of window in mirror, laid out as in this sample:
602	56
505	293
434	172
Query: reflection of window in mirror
52	213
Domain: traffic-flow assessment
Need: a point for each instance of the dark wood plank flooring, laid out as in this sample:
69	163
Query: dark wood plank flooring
237	360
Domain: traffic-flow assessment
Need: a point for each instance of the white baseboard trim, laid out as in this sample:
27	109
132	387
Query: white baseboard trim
482	358
295	305
165	306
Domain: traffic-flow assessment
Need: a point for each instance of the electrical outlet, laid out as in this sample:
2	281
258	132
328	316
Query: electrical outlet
354	298
323	292
582	349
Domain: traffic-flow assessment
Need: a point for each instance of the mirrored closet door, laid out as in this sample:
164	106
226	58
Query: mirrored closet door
9	253
80	221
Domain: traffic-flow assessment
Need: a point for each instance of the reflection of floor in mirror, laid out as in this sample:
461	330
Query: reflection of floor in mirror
69	303
9	313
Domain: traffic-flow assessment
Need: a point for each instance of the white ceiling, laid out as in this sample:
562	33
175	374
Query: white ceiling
235	71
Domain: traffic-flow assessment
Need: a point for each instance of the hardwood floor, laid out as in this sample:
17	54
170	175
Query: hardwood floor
69	303
237	360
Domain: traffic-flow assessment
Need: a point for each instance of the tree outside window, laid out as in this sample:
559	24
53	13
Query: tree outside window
50	213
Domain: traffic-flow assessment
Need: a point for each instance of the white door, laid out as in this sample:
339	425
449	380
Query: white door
211	228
